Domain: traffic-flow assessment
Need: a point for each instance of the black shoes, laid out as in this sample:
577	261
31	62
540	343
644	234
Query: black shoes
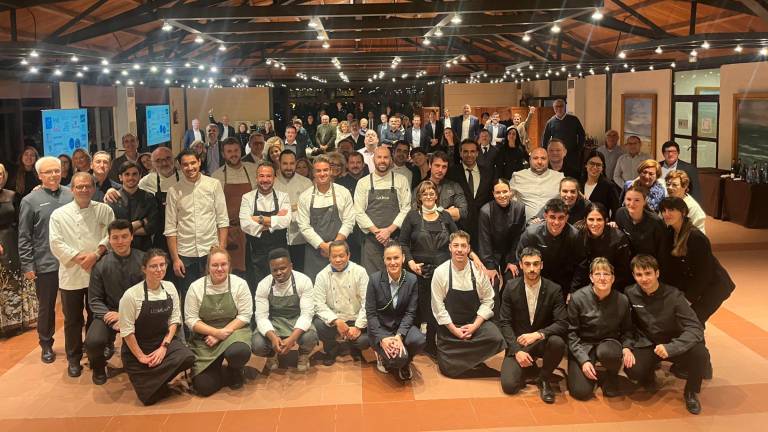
545	391
109	351
74	369
692	403
99	376
405	373
47	355
236	378
611	387
329	358
649	384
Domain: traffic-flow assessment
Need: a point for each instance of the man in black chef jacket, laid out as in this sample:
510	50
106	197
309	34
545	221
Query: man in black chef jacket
667	330
137	206
112	275
534	323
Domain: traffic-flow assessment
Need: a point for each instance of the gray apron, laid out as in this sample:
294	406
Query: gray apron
383	207
326	222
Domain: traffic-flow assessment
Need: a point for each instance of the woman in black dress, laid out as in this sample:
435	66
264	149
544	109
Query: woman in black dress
599	239
596	187
243	135
511	156
500	225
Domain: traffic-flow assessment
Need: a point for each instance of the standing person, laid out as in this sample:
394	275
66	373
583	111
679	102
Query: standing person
325	137
101	165
693	268
433	130
218	310
496	130
24	179
158	183
644	228
130	153
136	206
420	161
312	129
462	302
356	169
326	213
255	148
667	330
67	169
150	314
225	129
393	133
511	156
284	311
501	223
522	126
475	180
237	178
339	296
81	160
401	164
195	220
78	236
534	323
383	125
291	143
535	186
265	215
213	149
391	305
569	130
672	162
486	153
192	135
611	152
598	238
293	185
243	136
597	187
112	275
37	261
626	164
371	142
381	202
466	126
599	330
357	133
415	135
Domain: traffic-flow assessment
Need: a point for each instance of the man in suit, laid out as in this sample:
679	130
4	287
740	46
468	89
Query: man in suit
192	135
498	131
466	125
356	134
476	182
568	128
325	138
671	162
383	126
415	135
534	322
291	143
433	129
393	133
225	129
488	150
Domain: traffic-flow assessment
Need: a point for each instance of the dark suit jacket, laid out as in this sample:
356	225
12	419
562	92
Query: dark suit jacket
694	187
438	134
301	149
474	126
189	138
384	320
488	158
423	139
230	134
501	133
606	193
457	174
360	142
550	318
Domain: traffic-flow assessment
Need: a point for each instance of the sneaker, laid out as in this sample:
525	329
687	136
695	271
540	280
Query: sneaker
405	373
380	365
303	364
271	363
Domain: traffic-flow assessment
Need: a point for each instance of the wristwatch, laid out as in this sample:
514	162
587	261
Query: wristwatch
261	220
166	344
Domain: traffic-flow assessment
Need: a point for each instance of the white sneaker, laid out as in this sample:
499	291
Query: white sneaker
271	364
303	364
380	365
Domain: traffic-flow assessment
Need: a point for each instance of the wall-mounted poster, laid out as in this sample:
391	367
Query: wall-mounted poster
638	117
64	130
750	127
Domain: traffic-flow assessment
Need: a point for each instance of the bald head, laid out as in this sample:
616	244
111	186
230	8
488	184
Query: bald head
162	161
539	160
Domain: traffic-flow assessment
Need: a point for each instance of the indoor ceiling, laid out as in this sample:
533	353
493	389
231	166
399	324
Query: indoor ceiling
205	42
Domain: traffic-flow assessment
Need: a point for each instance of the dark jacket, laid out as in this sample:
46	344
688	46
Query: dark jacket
474	126
591	321
606	193
488	158
189	138
140	206
438	133
560	255
484	184
451	195
664	317
231	130
647	237
384	320
498	233
423	138
550	318
576	213
110	278
612	245
509	160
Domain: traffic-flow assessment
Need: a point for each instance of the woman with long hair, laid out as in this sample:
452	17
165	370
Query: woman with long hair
304	168
599	239
67	169
596	187
449	143
511	156
342	131
81	161
25	178
243	134
269	130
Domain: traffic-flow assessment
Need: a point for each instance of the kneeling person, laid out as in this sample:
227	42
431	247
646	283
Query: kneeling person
284	311
218	309
667	330
534	323
462	302
340	303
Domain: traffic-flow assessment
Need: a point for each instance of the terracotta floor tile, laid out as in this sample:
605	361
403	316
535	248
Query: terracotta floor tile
137	423
315	419
565	410
80	424
250	420
502	412
378	387
349	418
341	394
446	414
198	422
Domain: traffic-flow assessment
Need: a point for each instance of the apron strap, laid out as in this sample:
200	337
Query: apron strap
471	273
392	188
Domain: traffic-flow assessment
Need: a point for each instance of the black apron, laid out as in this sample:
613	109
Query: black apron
151	326
159	240
383	207
257	248
456	356
327	223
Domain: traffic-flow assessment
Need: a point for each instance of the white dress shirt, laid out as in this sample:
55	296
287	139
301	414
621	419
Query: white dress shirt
368	158
240	294
532	297
224	132
148	183
73	230
666	169
344	204
294	187
695	213
534	190
341	294
465	128
265	203
193	214
415	137
402	188
198	135
475	177
462	281
130	305
238	175
494	129
303	289
626	167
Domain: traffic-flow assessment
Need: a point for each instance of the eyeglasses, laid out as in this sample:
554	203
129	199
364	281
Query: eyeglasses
428	194
602	275
594	164
51	172
154	267
82	188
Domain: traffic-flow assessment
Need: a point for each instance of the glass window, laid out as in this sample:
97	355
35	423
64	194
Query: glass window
697	82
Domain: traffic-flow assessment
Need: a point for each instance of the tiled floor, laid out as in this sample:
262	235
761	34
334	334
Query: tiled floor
348	396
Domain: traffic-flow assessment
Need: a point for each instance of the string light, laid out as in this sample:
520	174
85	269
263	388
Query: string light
199	39
74	59
167	27
34	54
597	15
526	37
555	28
738	49
658	50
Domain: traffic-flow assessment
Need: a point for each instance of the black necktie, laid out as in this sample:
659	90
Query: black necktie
471	182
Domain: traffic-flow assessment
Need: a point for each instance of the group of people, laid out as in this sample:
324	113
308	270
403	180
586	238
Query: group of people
393	246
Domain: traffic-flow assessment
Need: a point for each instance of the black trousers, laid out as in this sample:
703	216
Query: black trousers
608	353
194	269
213	378
97	337
46	288
328	334
73	303
695	361
414	343
426	315
297	257
706	306
551	350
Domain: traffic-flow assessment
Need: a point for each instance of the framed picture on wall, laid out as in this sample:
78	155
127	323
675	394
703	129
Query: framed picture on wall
638	117
750	127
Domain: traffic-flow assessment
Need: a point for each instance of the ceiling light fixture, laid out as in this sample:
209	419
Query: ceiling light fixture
136	66
74	59
622	55
79	74
438	32
57	72
153	69
555	28
24	62
526	37
326	45
456	19
34	54
33	70
705	45
738	49
104	62
426	41
167	27
597	15
222	48
199	39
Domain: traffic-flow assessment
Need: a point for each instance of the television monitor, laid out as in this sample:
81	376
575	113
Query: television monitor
64	130
158	124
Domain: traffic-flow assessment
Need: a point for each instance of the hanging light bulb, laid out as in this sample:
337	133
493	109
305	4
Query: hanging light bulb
426	41
622	55
167	27
738	49
438	32
74	59
456	19
597	15
658	50
705	45
199	39
526	37
34	54
555	28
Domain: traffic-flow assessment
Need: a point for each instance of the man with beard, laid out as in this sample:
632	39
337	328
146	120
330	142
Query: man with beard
452	199
293	185
291	144
255	148
402	152
136	206
213	153
237	178
475	180
158	183
537	184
